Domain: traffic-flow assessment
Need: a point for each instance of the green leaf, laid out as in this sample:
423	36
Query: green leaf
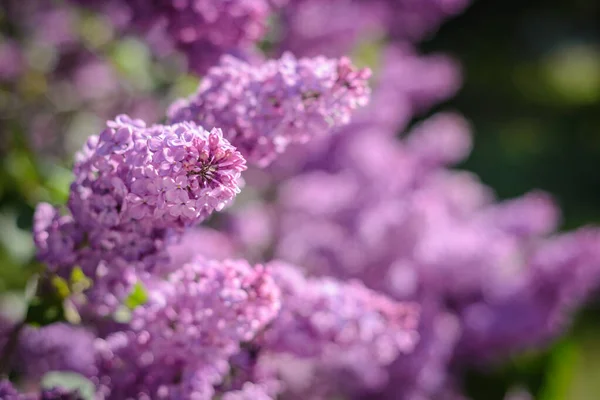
137	297
79	282
560	372
61	286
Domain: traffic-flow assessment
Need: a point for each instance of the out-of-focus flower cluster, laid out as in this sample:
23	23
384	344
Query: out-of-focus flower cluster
377	271
63	74
203	30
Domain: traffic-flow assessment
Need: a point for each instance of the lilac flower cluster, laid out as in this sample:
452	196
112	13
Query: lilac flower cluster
202	29
132	185
333	27
264	109
345	318
178	345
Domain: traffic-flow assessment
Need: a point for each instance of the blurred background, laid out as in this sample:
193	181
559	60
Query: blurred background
531	89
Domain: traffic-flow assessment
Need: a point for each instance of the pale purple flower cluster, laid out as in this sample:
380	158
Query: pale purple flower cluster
334	27
133	185
322	317
339	326
263	109
162	176
203	30
178	345
56	347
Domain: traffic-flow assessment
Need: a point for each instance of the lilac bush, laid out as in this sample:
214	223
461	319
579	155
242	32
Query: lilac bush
334	258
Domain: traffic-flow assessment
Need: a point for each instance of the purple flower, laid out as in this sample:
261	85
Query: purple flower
335	27
56	237
263	109
7	391
135	186
178	345
249	391
326	319
56	347
202	29
161	175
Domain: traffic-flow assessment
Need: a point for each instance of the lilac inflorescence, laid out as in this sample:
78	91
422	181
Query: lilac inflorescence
333	27
322	317
133	185
178	345
162	175
203	30
56	347
263	109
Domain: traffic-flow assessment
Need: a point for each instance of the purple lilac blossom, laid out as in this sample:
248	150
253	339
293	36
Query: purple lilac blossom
406	84
249	391
133	185
8	392
160	175
203	30
56	347
334	27
263	109
561	272
320	316
179	344
343	326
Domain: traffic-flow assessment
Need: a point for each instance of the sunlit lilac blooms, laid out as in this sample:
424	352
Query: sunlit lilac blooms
133	184
263	109
178	345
